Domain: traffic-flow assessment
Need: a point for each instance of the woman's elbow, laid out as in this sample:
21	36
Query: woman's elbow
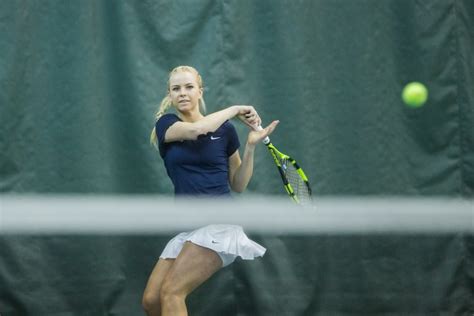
237	188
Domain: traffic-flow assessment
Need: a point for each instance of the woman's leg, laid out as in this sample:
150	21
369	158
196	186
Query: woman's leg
151	296
193	266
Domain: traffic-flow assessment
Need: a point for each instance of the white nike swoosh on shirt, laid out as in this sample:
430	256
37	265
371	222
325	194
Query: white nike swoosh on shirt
214	138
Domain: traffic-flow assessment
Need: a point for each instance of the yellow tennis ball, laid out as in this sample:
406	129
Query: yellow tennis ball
415	94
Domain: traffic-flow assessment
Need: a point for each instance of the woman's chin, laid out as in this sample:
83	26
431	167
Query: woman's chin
185	107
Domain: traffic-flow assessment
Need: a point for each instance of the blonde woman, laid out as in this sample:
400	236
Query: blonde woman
201	156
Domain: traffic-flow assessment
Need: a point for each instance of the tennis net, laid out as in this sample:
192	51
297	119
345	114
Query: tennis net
46	214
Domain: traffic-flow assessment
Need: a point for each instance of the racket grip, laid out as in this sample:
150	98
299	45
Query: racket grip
266	140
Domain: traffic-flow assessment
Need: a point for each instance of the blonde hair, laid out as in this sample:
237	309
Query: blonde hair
166	103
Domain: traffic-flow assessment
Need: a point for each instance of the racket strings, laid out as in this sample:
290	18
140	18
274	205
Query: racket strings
299	186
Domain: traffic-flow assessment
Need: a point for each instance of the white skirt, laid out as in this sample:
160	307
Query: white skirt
229	241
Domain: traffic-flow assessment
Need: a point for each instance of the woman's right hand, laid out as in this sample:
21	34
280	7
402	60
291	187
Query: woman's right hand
248	115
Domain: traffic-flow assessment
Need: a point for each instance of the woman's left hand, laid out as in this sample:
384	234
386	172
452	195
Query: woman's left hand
251	118
256	136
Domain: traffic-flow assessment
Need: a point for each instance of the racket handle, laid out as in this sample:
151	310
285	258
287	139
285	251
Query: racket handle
266	140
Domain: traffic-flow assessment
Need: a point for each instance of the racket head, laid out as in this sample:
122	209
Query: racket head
294	179
297	180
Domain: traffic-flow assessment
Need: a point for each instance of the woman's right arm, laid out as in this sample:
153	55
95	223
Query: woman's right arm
210	123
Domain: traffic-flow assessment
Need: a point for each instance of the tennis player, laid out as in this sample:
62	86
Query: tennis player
201	156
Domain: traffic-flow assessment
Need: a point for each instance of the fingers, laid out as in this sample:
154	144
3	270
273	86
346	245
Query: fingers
249	115
270	128
258	134
246	109
253	119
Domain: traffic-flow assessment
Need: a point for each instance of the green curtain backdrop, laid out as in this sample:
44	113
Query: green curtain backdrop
380	275
80	81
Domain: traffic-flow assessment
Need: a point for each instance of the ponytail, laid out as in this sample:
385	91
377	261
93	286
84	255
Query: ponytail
164	106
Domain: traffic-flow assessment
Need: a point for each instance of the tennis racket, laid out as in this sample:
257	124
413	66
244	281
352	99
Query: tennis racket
294	179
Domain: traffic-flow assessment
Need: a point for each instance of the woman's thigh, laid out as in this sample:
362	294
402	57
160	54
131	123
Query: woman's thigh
193	266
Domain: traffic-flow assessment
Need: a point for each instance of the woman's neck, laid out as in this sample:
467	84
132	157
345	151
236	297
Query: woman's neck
190	117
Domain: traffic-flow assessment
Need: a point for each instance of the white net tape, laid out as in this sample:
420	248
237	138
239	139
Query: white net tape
24	214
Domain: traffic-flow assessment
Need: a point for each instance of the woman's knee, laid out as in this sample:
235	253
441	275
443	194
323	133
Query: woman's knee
170	290
150	301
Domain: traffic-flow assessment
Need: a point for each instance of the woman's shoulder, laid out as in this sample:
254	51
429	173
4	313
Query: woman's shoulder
169	117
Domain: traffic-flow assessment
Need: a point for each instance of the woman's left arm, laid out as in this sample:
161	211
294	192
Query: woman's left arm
240	171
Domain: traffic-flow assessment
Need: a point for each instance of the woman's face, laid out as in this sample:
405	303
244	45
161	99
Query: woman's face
184	91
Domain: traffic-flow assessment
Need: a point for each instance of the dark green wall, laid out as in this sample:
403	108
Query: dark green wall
80	81
343	275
